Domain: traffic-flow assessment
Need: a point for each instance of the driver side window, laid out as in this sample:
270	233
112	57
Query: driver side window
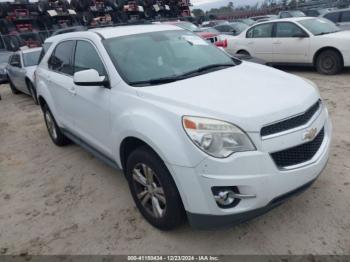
288	30
86	57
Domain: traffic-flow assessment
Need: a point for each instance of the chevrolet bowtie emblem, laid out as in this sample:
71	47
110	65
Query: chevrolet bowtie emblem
310	134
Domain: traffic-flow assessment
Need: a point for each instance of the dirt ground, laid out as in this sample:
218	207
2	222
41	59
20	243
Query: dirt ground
64	201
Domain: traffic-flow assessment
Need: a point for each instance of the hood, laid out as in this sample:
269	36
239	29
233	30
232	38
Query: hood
248	95
338	35
30	72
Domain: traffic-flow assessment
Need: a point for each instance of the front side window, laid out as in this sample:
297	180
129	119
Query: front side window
261	31
319	26
31	58
345	17
162	55
86	57
334	17
60	59
288	30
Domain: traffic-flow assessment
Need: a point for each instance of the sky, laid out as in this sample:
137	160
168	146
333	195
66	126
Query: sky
207	4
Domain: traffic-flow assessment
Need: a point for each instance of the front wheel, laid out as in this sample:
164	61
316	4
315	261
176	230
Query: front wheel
32	91
153	189
329	62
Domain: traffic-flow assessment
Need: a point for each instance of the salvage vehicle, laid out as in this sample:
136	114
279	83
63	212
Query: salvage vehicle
305	41
4	59
195	131
340	17
234	28
20	70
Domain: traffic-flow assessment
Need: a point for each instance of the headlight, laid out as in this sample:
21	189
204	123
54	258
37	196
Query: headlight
216	138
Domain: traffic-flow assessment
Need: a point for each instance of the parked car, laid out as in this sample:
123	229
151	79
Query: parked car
291	13
212	23
340	17
303	41
247	21
268	18
190	127
231	28
4	58
20	70
317	12
263	17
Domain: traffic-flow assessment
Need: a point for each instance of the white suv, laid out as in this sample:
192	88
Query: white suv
196	132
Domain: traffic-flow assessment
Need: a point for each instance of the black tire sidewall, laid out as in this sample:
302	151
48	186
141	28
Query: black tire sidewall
174	211
61	139
337	59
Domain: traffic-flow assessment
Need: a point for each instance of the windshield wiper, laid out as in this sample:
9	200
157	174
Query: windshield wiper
165	80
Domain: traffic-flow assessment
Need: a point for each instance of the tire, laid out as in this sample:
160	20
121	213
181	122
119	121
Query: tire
329	62
243	52
57	137
32	91
13	88
161	193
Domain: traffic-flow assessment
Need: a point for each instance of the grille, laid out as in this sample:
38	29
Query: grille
298	154
291	122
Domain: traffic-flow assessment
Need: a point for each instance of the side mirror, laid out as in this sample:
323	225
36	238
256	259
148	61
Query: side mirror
90	77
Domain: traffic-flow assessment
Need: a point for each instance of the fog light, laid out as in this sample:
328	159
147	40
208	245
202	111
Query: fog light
225	197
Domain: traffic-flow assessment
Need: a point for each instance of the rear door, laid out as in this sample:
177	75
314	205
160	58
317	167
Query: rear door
15	71
60	82
291	43
258	41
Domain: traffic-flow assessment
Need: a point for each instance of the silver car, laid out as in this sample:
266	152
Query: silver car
20	70
341	17
4	58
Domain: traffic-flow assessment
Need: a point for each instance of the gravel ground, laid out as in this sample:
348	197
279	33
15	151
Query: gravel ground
64	201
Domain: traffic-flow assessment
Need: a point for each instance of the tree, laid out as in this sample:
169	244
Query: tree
198	12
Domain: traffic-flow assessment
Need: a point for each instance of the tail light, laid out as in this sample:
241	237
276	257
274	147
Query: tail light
222	43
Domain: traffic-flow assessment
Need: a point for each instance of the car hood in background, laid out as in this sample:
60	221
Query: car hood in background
248	95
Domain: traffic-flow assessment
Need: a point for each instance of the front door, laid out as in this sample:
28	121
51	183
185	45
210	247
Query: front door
291	44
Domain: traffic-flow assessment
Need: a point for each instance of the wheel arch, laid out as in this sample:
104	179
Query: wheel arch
319	51
242	50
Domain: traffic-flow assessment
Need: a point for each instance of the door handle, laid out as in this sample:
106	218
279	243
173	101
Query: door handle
250	43
72	90
277	43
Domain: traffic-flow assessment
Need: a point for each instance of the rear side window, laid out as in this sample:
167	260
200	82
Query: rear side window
261	31
44	49
334	17
345	17
86	57
60	59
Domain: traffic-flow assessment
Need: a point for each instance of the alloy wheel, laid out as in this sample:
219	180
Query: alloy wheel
51	125
149	190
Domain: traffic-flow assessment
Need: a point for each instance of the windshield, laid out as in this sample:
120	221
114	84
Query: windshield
319	26
4	58
297	13
169	54
188	26
31	58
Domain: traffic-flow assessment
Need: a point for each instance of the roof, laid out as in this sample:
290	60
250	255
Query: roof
116	31
110	32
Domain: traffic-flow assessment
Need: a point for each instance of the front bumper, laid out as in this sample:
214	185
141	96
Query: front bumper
253	173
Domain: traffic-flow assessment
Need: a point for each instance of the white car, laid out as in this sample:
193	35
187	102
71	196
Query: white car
302	41
195	131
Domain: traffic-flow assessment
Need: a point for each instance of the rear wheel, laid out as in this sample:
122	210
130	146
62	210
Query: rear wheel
55	133
153	189
329	62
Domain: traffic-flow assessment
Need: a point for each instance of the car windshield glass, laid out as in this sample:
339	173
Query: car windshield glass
31	58
319	26
4	58
188	26
170	56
